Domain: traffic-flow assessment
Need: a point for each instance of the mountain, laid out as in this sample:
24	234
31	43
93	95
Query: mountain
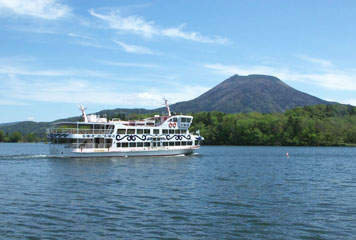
252	93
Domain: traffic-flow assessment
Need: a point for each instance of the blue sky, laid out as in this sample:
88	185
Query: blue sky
58	54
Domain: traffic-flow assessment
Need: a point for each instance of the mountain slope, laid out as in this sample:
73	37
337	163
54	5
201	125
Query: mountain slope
252	93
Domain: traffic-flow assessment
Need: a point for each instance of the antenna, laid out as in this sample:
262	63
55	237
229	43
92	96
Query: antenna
167	106
85	119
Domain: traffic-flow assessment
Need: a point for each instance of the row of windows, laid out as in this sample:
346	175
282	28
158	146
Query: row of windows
148	131
181	119
186	120
153	144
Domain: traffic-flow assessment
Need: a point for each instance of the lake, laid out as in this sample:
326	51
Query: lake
223	192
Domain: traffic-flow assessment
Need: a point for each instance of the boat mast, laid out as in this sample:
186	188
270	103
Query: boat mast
85	119
167	106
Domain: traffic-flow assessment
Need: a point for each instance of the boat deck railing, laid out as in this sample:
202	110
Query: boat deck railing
80	131
88	145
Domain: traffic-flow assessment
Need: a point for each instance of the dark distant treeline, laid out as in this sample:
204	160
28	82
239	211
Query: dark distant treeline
318	125
27	131
18	137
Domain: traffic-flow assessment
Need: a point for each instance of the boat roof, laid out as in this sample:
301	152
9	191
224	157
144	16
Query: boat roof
123	121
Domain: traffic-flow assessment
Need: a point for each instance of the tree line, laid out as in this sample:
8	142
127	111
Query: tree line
18	137
318	125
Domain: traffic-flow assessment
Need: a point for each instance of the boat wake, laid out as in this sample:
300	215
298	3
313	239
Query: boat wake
23	156
179	155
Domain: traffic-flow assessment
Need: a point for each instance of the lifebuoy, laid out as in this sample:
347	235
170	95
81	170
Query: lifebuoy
174	125
170	125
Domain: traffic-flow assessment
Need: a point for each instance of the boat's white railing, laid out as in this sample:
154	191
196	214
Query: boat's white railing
80	131
88	145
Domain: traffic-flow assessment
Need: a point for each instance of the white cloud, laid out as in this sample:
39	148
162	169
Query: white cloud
21	85
8	102
319	61
138	25
75	35
335	79
133	48
22	71
44	9
11	70
128	64
193	36
132	23
92	44
78	91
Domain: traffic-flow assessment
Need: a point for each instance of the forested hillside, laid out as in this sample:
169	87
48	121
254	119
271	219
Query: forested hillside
319	125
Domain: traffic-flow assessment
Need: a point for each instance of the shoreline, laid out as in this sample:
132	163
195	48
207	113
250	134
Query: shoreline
225	145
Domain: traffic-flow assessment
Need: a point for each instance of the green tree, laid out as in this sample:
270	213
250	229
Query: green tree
2	136
15	137
30	137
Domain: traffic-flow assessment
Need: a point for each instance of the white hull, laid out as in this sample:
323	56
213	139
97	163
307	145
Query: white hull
61	151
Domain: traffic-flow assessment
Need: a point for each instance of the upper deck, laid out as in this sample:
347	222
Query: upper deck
180	121
92	124
108	127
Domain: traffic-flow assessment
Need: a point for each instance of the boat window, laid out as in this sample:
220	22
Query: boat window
158	144
183	120
155	131
118	145
184	131
177	143
124	145
196	143
171	131
165	143
132	144
147	144
184	143
171	143
174	119
147	131
130	131
165	131
121	131
139	131
140	144
153	144
190	143
189	120
177	131
108	143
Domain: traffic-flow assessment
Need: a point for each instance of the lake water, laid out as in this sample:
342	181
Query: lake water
220	193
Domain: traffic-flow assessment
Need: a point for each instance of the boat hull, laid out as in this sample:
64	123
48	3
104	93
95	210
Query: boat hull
61	151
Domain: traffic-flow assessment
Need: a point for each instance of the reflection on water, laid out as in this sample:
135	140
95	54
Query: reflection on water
220	193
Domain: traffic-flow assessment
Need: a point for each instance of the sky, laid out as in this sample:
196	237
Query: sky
56	55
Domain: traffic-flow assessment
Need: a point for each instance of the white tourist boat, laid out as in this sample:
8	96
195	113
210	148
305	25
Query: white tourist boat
99	137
